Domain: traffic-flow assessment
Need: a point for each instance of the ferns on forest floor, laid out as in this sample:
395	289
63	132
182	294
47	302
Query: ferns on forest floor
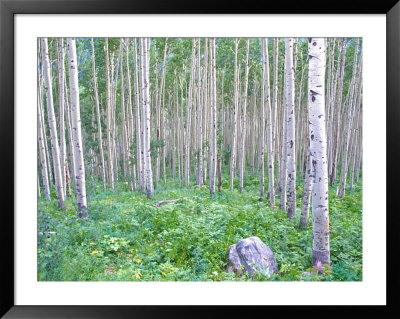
125	238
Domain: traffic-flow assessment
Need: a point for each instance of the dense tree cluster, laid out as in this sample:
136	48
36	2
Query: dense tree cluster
144	110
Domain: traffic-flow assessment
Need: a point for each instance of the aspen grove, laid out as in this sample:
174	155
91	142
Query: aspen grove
157	154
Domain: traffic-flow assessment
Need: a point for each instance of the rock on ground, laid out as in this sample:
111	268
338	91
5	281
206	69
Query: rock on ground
253	256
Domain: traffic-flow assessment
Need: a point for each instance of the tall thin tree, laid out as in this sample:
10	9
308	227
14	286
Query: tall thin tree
80	187
318	149
52	125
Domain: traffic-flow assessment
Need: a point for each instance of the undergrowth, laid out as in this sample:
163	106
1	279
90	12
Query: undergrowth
126	238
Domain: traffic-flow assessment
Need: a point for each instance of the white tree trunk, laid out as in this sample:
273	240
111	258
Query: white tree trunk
61	75
145	77
199	119
52	124
80	187
244	118
100	135
189	115
318	150
234	124
139	140
354	87
42	150
267	105
109	119
290	130
213	118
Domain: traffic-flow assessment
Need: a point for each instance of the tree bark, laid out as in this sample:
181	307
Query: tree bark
61	75
244	118
290	130
52	125
100	135
267	105
109	119
189	115
42	151
145	77
80	187
234	118
318	151
213	118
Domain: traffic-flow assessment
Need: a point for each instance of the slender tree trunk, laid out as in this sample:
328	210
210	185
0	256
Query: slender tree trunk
213	118
100	135
342	50
283	165
125	147
275	103
145	77
139	140
290	130
219	175
130	121
318	151
267	105
109	119
261	135
61	75
189	115
199	119
355	87
52	124
305	206
42	151
234	124
244	118
69	125
80	188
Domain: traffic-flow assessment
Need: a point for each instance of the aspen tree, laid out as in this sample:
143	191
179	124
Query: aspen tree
139	134
100	134
52	125
61	75
203	166
109	118
234	118
244	114
42	151
290	130
162	109
283	164
318	149
267	106
352	104
189	115
69	125
213	118
80	187
199	120
275	99
145	86
130	120
335	145
261	137
124	124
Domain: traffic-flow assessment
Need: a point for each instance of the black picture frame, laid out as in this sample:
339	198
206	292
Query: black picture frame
8	8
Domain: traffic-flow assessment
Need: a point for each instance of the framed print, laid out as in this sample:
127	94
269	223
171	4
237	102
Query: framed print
180	159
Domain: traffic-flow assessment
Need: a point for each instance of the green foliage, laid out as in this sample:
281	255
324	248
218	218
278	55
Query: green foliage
126	238
155	147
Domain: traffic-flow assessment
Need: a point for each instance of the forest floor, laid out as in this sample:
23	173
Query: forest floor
126	238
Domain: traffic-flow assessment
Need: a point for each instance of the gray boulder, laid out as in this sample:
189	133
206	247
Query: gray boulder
253	256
